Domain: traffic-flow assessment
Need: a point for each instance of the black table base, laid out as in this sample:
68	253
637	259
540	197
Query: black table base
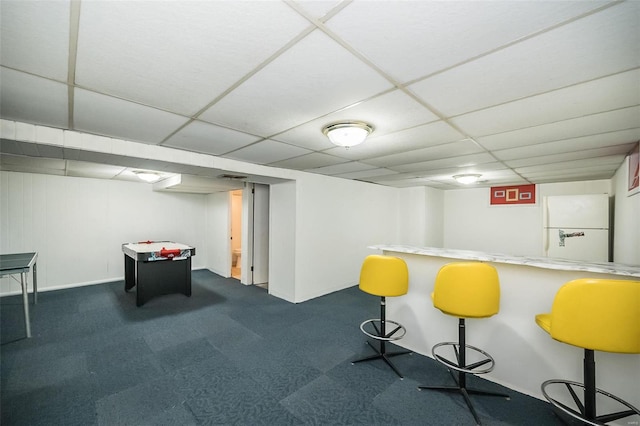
157	278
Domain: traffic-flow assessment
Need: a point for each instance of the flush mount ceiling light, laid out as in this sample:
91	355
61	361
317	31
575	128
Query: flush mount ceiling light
148	176
467	179
349	133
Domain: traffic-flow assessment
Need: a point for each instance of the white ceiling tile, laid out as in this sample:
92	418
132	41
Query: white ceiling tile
568	170
88	156
590	169
623	137
373	112
93	170
413	39
104	115
315	76
625	118
317	8
601	44
567	165
402	183
309	161
575	177
395	176
588	156
34	37
178	55
33	169
367	174
144	69
449	183
33	99
308	135
448	171
460	161
605	94
209	139
338	169
11	162
447	150
267	151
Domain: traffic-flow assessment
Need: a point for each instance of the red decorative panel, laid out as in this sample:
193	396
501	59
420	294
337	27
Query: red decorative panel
514	194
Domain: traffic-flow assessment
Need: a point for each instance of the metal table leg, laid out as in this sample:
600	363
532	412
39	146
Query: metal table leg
35	283
24	283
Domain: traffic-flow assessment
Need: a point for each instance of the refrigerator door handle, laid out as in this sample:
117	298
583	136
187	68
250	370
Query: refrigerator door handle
562	236
545	221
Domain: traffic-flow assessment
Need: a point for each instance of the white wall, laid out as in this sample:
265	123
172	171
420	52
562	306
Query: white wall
216	233
420	217
434	219
282	240
471	223
78	225
412	228
320	226
336	220
626	244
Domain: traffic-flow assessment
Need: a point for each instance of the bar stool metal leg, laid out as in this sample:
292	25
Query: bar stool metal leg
585	410
463	369
383	337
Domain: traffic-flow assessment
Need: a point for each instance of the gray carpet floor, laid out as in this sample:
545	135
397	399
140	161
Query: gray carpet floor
228	355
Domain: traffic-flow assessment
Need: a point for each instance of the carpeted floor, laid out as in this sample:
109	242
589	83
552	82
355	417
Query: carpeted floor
228	355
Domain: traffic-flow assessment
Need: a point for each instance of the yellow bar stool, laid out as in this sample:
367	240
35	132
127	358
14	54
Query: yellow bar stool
466	290
595	315
384	276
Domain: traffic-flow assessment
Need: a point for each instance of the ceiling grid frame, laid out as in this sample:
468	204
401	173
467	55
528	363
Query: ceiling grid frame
26	94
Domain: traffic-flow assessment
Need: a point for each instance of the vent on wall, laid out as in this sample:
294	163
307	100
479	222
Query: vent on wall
229	176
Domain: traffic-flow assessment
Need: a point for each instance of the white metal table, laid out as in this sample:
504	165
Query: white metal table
21	263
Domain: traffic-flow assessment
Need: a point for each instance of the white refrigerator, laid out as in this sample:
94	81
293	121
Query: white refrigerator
576	227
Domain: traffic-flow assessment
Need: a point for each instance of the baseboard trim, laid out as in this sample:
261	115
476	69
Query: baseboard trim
66	286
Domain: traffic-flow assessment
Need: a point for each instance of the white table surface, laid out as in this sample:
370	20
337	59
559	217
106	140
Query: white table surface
156	246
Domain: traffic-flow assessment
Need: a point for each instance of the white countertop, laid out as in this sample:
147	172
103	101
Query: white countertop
538	262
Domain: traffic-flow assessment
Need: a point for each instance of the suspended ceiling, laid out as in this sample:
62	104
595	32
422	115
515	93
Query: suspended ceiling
519	92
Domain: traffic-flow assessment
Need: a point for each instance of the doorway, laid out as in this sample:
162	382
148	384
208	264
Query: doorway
236	234
249	234
257	231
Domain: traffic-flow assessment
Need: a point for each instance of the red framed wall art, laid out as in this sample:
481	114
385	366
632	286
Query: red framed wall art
513	194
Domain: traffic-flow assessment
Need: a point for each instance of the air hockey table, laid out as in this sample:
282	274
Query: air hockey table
157	268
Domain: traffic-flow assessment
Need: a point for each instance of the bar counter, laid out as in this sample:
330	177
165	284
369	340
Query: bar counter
525	355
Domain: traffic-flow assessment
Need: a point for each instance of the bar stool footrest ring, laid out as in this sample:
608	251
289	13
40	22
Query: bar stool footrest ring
576	414
454	366
396	334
